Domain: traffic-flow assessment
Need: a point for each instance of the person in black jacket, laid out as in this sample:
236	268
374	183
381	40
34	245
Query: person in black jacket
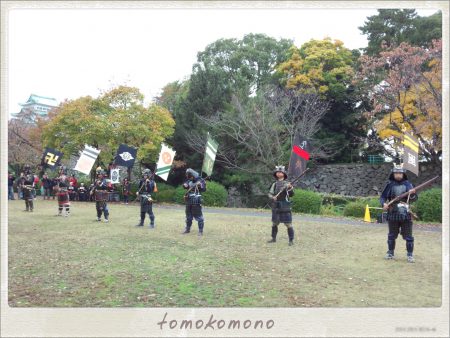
47	185
194	185
11	180
28	189
147	186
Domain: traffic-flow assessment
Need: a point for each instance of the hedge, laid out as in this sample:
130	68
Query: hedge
358	207
306	201
333	199
429	205
355	209
165	192
215	195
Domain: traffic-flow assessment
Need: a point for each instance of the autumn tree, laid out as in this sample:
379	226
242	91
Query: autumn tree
116	116
405	87
24	146
327	67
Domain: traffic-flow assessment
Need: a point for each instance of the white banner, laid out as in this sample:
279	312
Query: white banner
87	159
165	161
115	177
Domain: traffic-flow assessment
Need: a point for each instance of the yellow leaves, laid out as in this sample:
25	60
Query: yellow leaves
114	118
315	64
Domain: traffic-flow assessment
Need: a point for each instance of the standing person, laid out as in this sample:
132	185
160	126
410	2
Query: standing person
73	180
72	191
27	189
11	180
36	181
126	189
399	217
62	189
82	192
54	187
100	193
146	187
20	182
194	185
279	193
47	184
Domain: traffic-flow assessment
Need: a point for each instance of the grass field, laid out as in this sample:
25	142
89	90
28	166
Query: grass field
78	262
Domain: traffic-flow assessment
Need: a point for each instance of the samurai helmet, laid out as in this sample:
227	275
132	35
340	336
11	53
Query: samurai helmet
147	172
398	169
281	169
100	171
191	173
62	170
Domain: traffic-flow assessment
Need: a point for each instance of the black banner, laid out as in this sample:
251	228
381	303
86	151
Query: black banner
299	156
51	158
125	156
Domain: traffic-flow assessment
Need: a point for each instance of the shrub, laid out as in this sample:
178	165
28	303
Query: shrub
165	192
306	201
429	205
373	202
178	195
355	209
336	199
330	210
215	195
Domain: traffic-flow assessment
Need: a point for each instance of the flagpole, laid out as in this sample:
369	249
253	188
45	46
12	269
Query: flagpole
201	170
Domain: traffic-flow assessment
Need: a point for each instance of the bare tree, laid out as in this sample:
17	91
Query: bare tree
22	145
262	127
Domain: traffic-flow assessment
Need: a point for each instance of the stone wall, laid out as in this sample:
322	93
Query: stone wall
342	179
360	179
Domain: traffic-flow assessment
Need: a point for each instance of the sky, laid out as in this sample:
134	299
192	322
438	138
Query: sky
69	53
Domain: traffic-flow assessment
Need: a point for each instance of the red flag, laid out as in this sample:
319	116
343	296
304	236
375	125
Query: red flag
300	152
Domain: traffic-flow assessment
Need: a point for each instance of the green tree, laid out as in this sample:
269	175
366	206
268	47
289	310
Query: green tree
226	67
390	27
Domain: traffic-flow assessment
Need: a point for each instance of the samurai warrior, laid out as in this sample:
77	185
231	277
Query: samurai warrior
279	193
63	193
399	216
194	186
100	192
82	193
147	186
27	185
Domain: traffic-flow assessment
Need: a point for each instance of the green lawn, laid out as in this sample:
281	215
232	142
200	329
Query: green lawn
76	261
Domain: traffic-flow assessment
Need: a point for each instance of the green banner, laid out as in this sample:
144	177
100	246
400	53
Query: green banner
210	156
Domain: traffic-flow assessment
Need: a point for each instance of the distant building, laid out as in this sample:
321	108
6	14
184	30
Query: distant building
39	105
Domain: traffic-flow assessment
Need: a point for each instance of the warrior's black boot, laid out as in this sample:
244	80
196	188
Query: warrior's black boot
141	223
389	254
152	222
290	232
187	229
201	225
410	249
274	234
391	247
